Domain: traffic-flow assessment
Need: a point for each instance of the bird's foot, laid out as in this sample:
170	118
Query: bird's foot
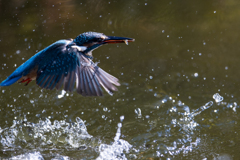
28	80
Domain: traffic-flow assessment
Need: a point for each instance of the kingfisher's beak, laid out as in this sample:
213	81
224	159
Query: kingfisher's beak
113	39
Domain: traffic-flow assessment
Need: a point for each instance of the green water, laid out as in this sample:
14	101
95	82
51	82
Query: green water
184	53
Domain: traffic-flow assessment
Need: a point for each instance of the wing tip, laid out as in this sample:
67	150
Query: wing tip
9	81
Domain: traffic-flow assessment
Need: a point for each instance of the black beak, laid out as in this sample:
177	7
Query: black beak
113	39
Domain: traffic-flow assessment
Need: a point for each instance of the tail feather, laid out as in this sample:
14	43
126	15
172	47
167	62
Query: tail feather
9	81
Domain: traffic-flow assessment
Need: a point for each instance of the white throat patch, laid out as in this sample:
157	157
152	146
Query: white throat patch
80	48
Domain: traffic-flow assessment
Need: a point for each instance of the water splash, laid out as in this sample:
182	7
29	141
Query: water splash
199	110
37	156
217	98
181	128
29	156
62	94
44	133
138	112
117	149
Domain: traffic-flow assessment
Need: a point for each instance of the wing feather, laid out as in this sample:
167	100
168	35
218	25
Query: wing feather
95	91
48	81
97	84
79	86
72	82
42	84
112	79
67	81
60	82
85	81
68	66
54	81
89	82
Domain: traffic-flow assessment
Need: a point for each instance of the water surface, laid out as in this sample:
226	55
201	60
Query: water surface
179	93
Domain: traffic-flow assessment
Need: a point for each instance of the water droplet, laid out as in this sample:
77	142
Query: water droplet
109	22
217	98
62	94
195	74
121	118
164	100
138	112
18	51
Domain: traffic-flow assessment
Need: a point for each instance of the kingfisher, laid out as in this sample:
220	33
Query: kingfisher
68	62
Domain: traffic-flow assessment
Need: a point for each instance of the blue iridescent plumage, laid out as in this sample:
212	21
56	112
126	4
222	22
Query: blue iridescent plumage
69	62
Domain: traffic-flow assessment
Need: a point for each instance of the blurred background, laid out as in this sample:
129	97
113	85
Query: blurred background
179	93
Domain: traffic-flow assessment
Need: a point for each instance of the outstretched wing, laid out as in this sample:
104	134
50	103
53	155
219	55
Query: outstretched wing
90	78
67	67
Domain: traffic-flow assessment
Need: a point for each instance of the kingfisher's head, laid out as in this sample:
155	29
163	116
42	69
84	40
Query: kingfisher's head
93	40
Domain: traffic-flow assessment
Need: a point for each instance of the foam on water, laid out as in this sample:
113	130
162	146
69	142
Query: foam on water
57	134
44	133
37	156
29	156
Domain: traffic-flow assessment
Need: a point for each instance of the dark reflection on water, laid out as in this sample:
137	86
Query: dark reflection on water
184	53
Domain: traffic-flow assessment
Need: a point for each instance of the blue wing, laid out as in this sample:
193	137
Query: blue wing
31	64
67	67
9	81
